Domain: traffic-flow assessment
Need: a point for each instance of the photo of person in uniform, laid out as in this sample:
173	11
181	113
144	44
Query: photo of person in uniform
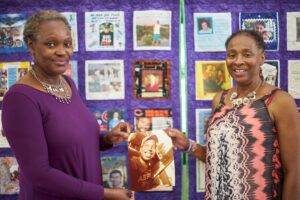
107	36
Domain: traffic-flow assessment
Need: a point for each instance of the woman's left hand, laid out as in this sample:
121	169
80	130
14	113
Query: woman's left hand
118	134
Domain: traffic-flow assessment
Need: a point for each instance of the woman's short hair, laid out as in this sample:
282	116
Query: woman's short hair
250	33
34	21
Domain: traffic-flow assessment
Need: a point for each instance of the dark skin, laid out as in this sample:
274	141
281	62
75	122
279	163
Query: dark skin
243	60
52	50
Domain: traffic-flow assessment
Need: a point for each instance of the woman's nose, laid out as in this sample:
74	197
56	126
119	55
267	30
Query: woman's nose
61	50
239	59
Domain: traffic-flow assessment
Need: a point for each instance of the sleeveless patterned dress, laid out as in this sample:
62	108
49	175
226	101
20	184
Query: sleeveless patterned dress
243	156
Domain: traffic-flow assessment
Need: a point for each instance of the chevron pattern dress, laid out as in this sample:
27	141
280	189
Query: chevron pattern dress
243	154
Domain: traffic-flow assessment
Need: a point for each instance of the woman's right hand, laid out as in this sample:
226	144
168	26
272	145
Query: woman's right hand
117	194
178	138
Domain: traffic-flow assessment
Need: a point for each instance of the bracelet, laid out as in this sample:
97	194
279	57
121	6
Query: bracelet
194	146
190	146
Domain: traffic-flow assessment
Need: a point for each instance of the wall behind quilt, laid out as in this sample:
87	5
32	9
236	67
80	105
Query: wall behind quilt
128	6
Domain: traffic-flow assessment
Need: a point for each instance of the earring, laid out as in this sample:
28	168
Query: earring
32	60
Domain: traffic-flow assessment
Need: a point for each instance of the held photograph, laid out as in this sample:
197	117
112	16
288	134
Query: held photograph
151	161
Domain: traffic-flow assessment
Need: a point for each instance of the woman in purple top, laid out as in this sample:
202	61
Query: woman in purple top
53	135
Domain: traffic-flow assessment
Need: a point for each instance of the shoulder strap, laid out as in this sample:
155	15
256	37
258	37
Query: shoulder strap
222	100
270	96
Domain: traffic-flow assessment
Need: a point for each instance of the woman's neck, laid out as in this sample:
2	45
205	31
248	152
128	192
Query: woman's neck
244	90
43	76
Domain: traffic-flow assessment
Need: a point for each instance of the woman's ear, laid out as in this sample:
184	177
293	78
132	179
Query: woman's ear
30	46
263	58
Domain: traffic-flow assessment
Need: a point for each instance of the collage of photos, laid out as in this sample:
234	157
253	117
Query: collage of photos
10	72
211	78
152	30
105	31
146	162
104	79
151	79
108	118
211	31
265	24
152	119
11	33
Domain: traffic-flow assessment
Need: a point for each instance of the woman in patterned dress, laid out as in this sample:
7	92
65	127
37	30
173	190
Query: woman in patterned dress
253	135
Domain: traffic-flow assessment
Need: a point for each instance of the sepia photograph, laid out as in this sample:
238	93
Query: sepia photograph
151	161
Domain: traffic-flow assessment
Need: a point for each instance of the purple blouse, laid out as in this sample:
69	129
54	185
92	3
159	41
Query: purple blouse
56	145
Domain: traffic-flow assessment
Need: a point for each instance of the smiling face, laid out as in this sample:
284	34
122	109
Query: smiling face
143	124
259	28
244	59
148	149
52	48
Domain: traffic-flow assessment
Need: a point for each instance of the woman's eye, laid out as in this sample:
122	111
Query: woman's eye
50	44
68	45
230	55
247	55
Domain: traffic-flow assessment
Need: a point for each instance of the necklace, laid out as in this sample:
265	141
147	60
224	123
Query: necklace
55	89
237	102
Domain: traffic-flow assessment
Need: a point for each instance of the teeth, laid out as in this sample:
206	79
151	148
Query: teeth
239	70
